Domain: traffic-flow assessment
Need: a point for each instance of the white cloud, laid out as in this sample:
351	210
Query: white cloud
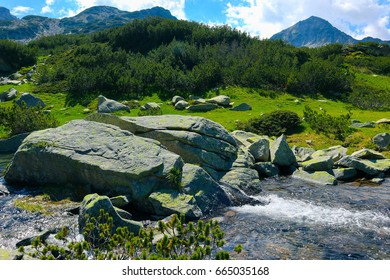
359	18
176	7
46	10
21	10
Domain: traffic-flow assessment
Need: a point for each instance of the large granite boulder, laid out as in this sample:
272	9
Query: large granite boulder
30	101
260	150
370	167
315	177
91	207
324	163
345	174
197	140
382	140
302	153
281	154
91	156
266	169
335	152
207	192
246	179
368	154
106	105
167	202
244	138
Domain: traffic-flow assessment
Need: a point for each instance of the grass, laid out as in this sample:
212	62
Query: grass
261	102
42	204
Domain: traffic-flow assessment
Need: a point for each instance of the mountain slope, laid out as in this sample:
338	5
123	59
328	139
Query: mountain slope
92	19
5	14
313	32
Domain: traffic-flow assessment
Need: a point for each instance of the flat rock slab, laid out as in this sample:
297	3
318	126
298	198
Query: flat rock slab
197	140
371	167
102	157
335	152
319	177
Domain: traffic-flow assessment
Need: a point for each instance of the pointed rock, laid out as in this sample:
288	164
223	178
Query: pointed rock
281	154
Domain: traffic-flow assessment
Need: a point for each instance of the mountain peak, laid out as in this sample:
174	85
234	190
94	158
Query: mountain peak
5	14
92	19
313	32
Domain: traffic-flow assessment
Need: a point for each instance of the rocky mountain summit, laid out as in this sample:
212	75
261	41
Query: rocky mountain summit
92	19
317	32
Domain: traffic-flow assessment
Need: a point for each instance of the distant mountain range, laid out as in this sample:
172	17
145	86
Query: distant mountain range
316	32
92	19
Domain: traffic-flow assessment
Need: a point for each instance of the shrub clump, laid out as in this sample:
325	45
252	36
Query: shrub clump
336	127
179	241
275	123
20	119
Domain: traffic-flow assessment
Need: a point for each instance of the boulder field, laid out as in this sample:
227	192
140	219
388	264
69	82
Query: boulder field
171	164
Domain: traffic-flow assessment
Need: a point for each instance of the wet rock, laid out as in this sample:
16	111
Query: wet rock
316	177
106	105
345	174
168	202
91	207
324	163
266	169
245	179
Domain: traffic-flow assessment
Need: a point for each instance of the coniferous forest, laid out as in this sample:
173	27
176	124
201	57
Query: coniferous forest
170	57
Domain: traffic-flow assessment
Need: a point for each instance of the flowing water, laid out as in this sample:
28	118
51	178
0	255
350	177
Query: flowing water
17	224
302	221
299	221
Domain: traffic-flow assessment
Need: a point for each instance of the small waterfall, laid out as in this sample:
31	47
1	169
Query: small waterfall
305	212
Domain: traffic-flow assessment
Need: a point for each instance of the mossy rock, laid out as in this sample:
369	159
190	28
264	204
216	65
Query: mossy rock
167	202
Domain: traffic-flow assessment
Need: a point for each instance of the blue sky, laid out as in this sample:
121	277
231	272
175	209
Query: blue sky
262	18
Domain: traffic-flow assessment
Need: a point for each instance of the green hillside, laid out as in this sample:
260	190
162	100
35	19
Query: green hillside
155	59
